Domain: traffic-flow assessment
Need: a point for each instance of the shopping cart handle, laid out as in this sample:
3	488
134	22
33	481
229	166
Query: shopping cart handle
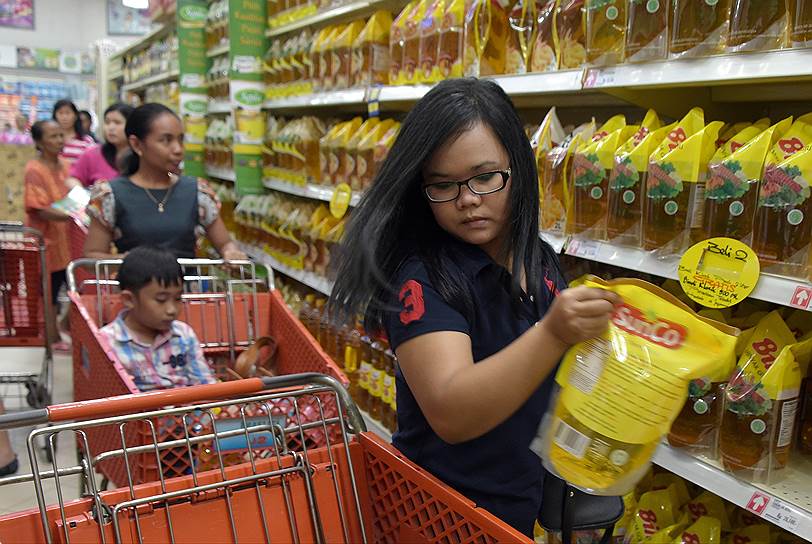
152	400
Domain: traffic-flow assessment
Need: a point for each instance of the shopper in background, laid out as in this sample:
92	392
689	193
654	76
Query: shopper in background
152	203
45	184
17	135
443	254
101	162
76	140
87	124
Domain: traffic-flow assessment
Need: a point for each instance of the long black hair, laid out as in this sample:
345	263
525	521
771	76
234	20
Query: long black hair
108	150
139	124
77	125
394	221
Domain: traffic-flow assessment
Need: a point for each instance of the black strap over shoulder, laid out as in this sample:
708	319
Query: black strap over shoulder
565	509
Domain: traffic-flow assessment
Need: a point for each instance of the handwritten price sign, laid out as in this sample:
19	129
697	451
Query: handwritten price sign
719	272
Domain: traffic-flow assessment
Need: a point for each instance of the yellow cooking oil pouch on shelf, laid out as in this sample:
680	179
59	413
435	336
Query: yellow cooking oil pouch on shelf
656	515
706	530
709	504
619	393
761	401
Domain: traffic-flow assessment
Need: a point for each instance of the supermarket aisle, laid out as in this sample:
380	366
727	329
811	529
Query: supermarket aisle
14	498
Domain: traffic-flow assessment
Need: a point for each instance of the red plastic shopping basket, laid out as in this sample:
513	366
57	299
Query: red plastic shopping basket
23	286
354	489
228	315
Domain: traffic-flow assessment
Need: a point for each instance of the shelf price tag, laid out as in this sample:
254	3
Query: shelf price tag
719	272
340	201
587	249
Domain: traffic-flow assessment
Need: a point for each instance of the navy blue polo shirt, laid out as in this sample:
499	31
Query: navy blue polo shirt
497	471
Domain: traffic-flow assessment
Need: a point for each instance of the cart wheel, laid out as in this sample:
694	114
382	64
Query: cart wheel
38	395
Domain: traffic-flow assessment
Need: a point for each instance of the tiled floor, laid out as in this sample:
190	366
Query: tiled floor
16	497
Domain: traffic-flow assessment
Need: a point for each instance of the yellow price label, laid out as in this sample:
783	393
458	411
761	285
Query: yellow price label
340	202
719	272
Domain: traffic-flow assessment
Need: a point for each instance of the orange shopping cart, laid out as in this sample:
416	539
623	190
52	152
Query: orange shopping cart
230	306
355	488
24	288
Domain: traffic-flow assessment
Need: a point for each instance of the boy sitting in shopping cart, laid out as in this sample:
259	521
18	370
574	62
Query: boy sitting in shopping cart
156	350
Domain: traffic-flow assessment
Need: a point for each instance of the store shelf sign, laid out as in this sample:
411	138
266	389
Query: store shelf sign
719	272
801	297
340	201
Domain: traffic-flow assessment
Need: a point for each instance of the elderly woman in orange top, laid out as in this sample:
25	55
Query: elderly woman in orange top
45	178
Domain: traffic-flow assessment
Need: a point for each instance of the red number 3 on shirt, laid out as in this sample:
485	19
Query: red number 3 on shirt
411	296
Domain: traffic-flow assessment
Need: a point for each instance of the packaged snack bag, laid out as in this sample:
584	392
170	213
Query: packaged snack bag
569	25
732	187
430	31
781	230
411	44
605	31
596	437
664	480
675	190
397	43
801	24
656	511
521	35
646	30
761	401
555	180
753	534
485	35
758	25
591	167
370	52
449	58
698	28
543	55
706	530
542	141
627	180
709	504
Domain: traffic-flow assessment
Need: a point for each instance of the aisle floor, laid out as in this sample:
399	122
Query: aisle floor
17	497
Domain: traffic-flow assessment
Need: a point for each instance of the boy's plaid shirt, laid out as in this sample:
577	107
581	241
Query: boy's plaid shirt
175	358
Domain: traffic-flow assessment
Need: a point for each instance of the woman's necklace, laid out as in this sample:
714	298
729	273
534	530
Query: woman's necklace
161	204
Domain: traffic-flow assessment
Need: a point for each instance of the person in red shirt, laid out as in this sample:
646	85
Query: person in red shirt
45	184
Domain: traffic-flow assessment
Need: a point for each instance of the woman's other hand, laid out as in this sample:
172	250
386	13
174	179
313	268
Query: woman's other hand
232	253
580	313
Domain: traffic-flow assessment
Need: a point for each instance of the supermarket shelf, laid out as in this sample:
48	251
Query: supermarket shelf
144	42
221	173
118	74
220	106
791	64
352	10
152	80
566	81
316	192
322	285
557	242
770	288
787	503
334	98
219	50
374	426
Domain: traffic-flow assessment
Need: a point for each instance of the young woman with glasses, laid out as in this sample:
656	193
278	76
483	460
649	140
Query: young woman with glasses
443	255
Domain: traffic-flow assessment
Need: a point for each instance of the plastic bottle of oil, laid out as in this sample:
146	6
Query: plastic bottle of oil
315	322
389	402
306	313
352	361
364	370
375	401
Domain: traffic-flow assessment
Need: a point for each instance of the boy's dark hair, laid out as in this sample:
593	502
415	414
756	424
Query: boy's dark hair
145	264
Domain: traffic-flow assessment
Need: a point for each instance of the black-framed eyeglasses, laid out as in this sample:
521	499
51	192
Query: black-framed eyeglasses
480	184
